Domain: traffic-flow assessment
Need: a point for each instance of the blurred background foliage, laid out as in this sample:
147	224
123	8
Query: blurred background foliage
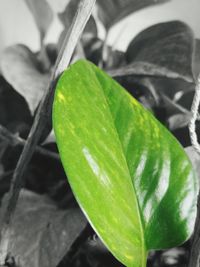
14	30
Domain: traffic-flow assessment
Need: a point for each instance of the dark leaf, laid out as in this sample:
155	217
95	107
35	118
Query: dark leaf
112	11
167	45
42	234
19	68
42	14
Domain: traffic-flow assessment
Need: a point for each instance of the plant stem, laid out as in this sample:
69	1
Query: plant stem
42	119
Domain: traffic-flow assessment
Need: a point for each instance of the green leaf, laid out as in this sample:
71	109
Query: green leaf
131	177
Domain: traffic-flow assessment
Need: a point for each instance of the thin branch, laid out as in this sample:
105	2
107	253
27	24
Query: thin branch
42	119
15	140
195	249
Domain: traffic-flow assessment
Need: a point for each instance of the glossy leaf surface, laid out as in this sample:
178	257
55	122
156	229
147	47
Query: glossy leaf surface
129	174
